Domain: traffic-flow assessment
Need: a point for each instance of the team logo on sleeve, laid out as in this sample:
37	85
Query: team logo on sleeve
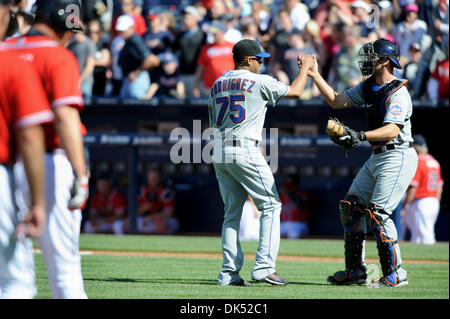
396	109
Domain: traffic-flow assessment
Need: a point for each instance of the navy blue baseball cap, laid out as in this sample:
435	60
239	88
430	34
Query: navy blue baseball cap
248	47
419	140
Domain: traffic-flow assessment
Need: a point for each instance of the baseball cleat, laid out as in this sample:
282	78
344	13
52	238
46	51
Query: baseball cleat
241	282
274	279
346	278
385	282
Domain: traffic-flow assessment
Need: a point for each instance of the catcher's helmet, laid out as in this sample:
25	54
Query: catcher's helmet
381	48
62	15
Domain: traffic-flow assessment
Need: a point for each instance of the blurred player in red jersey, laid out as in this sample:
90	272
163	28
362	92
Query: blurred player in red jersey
108	208
422	201
23	109
295	208
66	173
156	207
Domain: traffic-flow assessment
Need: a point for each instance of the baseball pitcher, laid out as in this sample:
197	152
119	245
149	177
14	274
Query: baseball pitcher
237	106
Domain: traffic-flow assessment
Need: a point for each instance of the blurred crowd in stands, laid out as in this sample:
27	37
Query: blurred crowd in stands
146	49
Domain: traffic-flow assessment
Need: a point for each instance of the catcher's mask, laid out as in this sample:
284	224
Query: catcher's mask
371	53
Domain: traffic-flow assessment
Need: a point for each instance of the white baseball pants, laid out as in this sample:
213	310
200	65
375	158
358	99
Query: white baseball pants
17	279
59	242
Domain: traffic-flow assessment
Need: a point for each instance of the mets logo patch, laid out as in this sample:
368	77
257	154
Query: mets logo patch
395	109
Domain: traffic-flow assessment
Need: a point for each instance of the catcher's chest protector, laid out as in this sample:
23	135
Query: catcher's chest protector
376	101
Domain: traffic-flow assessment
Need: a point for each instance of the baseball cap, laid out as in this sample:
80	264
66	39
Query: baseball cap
248	47
217	26
296	31
192	10
124	22
386	5
361	4
167	57
419	140
412	7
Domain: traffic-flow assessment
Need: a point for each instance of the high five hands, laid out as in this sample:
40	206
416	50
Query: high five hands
308	61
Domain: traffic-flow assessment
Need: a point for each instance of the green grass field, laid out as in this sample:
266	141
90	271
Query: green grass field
134	276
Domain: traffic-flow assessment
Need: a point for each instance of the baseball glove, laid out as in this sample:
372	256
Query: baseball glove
342	135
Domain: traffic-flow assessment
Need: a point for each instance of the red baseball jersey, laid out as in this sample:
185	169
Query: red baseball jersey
428	177
217	59
109	206
23	102
59	73
159	199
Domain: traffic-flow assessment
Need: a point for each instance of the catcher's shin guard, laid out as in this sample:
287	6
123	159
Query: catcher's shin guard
387	245
352	218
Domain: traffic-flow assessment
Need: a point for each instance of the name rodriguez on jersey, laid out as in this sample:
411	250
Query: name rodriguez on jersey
233	84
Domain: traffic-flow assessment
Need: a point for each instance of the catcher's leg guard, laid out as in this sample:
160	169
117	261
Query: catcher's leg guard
388	249
352	219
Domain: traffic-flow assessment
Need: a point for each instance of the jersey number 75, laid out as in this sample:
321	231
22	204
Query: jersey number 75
234	107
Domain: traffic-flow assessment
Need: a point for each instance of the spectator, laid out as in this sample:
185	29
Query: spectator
285	66
107	211
422	201
166	82
261	13
348	73
410	30
158	38
360	15
294	210
283	27
249	226
438	86
187	45
156	212
117	45
386	24
84	50
410	69
232	34
214	59
298	12
336	8
441	22
128	7
312	38
102	57
135	60
216	10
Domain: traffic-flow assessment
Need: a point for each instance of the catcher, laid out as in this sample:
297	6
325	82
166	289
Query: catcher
381	182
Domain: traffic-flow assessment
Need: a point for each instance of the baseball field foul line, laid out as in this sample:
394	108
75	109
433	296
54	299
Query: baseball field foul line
248	256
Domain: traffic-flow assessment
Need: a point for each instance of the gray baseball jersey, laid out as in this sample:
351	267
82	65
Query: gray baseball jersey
237	108
238	101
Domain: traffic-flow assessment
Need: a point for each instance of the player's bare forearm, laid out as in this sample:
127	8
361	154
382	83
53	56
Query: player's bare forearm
68	124
409	196
31	146
298	85
386	132
152	61
333	98
439	192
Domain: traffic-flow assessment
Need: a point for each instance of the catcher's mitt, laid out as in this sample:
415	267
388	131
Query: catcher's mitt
343	135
